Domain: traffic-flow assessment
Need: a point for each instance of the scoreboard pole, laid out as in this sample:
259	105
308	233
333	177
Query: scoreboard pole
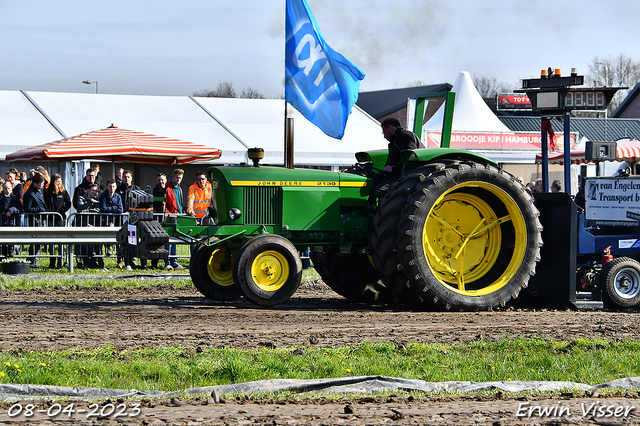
567	152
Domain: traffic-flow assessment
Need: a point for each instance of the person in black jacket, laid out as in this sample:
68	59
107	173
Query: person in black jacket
83	188
124	190
10	208
33	202
99	180
12	176
58	201
399	140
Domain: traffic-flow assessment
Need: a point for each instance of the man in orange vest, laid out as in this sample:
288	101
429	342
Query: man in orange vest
200	198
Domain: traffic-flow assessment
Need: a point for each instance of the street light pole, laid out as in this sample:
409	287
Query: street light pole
606	73
90	82
606	81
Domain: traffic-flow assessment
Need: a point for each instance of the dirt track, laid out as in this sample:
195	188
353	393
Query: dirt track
315	316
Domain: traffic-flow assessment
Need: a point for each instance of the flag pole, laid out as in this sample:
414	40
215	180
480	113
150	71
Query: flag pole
286	121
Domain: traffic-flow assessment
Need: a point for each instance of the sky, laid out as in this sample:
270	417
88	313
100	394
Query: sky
176	48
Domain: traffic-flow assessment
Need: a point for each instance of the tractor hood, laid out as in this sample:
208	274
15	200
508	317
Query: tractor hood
280	176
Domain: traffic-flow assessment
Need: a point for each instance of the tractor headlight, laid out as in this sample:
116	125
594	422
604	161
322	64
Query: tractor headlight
234	214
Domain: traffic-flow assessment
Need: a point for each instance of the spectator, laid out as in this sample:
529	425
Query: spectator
33	202
119	176
99	180
201	197
124	190
27	183
12	176
159	193
83	188
89	203
23	178
556	186
176	180
45	175
166	202
520	179
111	206
10	208
110	202
538	186
58	201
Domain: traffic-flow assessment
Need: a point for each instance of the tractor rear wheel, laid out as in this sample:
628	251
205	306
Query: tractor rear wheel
210	270
353	276
620	283
321	263
470	237
267	269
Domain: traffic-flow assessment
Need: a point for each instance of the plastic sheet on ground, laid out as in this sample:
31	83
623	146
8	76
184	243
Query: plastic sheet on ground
347	385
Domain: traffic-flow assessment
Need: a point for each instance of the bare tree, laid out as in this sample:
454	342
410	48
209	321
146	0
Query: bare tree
489	87
618	71
224	90
250	93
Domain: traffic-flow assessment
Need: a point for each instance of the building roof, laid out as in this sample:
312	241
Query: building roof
595	129
382	102
629	105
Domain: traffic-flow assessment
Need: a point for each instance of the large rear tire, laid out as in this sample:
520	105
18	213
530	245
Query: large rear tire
619	280
267	269
470	237
211	272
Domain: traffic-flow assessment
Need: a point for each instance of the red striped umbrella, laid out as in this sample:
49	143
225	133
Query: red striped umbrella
625	151
117	144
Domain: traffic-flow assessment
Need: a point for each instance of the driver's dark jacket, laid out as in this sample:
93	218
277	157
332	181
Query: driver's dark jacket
402	139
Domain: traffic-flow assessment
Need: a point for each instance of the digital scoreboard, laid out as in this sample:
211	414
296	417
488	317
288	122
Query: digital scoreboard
555	94
572	99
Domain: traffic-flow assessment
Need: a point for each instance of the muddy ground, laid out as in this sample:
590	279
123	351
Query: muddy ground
164	315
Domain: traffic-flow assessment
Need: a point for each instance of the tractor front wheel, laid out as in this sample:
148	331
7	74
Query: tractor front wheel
267	269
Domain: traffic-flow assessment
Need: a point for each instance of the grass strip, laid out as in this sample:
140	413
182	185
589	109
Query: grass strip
175	368
53	280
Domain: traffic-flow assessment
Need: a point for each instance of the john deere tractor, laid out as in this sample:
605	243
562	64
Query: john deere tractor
454	232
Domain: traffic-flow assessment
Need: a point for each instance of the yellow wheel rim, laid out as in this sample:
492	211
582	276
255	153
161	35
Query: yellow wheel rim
215	269
462	239
270	270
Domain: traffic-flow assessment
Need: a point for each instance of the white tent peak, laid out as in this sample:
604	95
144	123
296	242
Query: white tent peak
471	113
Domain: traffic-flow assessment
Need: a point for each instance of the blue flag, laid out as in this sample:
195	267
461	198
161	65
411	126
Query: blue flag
320	82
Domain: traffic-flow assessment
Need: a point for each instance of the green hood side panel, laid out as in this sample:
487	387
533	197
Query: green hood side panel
300	199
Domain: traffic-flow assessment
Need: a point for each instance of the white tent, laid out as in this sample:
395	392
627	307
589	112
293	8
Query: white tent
21	125
471	113
232	125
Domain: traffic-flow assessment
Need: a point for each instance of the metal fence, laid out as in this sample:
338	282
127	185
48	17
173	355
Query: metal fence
75	239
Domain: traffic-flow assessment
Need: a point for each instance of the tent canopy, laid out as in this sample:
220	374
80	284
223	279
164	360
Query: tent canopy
625	151
114	144
471	113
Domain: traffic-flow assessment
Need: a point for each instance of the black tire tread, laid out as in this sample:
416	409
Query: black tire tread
450	174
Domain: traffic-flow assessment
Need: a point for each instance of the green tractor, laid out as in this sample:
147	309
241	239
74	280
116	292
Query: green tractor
454	232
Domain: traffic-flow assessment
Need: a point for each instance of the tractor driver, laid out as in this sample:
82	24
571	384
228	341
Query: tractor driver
399	140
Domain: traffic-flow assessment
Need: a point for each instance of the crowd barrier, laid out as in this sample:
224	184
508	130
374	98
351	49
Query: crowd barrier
49	235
